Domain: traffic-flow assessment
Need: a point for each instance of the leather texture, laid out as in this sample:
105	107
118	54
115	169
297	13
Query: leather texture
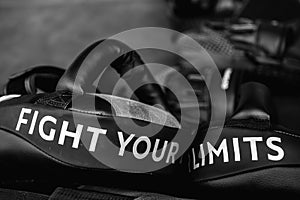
31	125
237	165
250	105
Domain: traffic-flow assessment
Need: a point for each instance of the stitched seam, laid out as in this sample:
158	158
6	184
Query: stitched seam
90	112
289	134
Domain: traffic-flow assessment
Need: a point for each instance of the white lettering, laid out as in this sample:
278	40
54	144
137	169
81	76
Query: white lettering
202	155
222	148
236	149
280	152
51	135
21	119
33	122
172	153
124	143
195	165
64	132
96	132
253	147
154	157
135	145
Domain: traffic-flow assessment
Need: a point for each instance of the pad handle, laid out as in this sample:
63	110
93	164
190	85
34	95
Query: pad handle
126	61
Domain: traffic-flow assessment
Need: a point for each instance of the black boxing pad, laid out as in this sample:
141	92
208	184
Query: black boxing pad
64	133
251	156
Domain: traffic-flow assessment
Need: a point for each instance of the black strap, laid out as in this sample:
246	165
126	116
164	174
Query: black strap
272	38
93	60
30	81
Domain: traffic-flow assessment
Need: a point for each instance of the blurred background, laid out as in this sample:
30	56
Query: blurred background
34	32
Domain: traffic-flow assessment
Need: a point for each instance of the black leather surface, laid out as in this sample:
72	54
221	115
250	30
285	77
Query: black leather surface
254	101
237	169
72	106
